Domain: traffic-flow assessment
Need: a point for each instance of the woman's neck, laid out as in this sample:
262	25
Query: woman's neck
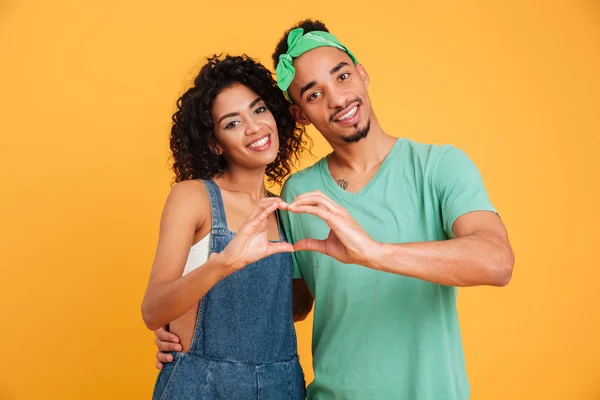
244	181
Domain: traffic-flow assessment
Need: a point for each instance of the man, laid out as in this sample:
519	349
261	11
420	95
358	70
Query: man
384	230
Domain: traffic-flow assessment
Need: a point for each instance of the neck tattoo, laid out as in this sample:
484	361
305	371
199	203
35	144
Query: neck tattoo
342	183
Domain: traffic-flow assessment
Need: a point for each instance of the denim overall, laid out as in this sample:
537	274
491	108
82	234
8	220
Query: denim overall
244	343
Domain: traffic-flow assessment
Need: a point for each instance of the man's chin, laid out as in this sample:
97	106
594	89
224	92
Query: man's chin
359	134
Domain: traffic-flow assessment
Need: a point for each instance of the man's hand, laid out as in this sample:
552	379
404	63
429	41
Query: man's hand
165	341
347	242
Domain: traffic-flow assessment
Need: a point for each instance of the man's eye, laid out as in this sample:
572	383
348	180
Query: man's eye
314	96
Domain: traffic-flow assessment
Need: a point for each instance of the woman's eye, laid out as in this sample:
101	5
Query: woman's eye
232	124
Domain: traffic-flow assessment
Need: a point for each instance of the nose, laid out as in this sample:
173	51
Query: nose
253	126
337	98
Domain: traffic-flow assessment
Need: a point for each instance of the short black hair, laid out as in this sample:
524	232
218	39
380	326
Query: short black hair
308	25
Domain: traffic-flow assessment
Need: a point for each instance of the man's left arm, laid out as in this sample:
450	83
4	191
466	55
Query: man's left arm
480	254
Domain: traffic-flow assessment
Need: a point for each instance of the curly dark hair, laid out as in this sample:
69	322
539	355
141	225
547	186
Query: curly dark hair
192	134
308	25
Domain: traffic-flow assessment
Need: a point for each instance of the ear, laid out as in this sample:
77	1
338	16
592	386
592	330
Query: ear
299	115
363	74
216	149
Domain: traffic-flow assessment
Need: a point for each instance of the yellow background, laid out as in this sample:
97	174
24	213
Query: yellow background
86	94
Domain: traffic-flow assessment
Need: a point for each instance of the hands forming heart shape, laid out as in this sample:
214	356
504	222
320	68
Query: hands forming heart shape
347	242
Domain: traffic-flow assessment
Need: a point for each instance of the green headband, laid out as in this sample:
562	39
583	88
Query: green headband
298	44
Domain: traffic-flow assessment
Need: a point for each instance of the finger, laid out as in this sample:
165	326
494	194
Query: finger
314	193
164	357
265	213
320	212
167	346
317	200
265	203
311	244
166	336
159	365
257	223
258	220
269	199
280	247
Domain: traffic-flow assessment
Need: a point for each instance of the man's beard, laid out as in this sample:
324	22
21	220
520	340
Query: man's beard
359	134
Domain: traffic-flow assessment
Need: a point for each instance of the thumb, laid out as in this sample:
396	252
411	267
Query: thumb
311	244
279	247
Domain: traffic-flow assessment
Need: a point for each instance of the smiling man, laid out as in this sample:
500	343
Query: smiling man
392	227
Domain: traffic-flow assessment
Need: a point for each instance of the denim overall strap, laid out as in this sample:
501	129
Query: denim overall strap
244	343
282	237
219	221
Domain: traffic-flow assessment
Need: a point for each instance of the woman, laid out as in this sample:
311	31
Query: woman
227	295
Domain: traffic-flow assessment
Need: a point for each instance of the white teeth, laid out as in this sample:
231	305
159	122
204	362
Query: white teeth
259	143
348	114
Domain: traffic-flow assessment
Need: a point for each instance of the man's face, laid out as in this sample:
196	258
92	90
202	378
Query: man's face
330	92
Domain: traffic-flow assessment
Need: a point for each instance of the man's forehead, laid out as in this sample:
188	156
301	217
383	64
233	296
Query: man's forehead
319	62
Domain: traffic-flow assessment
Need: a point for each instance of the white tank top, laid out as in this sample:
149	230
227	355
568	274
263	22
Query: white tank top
198	255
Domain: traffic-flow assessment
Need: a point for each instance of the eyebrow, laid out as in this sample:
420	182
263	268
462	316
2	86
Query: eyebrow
312	84
338	67
307	86
233	114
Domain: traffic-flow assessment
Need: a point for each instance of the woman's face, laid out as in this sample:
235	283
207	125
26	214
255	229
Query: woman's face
244	127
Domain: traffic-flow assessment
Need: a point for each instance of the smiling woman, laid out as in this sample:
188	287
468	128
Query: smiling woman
227	296
193	133
252	143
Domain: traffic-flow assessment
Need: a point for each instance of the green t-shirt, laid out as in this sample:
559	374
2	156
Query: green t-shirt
378	335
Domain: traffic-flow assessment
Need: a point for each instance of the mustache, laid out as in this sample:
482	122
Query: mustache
338	109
